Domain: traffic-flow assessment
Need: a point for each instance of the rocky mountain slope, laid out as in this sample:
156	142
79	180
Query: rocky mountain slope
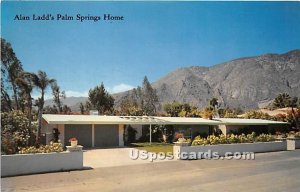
247	83
72	102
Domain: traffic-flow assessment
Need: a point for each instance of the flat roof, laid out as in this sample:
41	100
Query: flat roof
236	121
99	119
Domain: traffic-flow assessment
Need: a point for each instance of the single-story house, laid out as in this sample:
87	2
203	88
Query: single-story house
108	131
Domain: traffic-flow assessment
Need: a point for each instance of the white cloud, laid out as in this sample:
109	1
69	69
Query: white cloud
120	88
115	89
71	93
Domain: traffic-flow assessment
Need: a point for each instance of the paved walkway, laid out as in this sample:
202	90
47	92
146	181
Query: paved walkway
97	158
277	171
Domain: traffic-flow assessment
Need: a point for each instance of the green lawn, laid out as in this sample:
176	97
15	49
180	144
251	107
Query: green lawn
154	147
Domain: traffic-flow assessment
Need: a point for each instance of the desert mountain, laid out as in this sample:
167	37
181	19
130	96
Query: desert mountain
246	83
72	102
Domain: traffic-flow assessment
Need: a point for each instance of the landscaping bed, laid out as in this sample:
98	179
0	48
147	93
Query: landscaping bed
224	144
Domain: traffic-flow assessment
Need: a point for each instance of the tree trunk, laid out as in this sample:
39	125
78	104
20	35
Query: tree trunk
7	99
59	105
40	113
38	133
15	95
29	112
31	142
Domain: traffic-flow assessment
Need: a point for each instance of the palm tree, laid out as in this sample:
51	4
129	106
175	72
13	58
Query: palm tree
57	96
42	82
14	71
26	86
5	99
81	106
10	69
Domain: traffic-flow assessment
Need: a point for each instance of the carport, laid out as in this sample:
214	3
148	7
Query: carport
90	130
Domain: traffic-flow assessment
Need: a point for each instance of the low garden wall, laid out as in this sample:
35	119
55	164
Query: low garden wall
293	143
297	143
221	149
20	164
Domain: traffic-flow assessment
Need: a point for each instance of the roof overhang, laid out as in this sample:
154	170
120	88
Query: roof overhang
236	121
146	120
127	120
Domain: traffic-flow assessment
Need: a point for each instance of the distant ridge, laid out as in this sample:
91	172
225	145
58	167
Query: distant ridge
247	83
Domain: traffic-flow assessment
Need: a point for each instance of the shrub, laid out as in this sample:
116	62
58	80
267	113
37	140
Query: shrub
243	139
222	139
265	138
230	115
15	131
207	113
297	134
233	139
251	137
52	147
183	140
213	140
199	141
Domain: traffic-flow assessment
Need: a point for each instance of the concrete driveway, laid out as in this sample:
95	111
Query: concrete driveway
97	158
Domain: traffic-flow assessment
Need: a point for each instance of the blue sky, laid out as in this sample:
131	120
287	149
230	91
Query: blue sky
154	39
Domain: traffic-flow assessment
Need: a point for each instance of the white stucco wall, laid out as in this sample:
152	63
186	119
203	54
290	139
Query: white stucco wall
293	143
241	147
20	164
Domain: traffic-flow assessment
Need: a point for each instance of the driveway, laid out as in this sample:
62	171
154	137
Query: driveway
97	158
277	171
